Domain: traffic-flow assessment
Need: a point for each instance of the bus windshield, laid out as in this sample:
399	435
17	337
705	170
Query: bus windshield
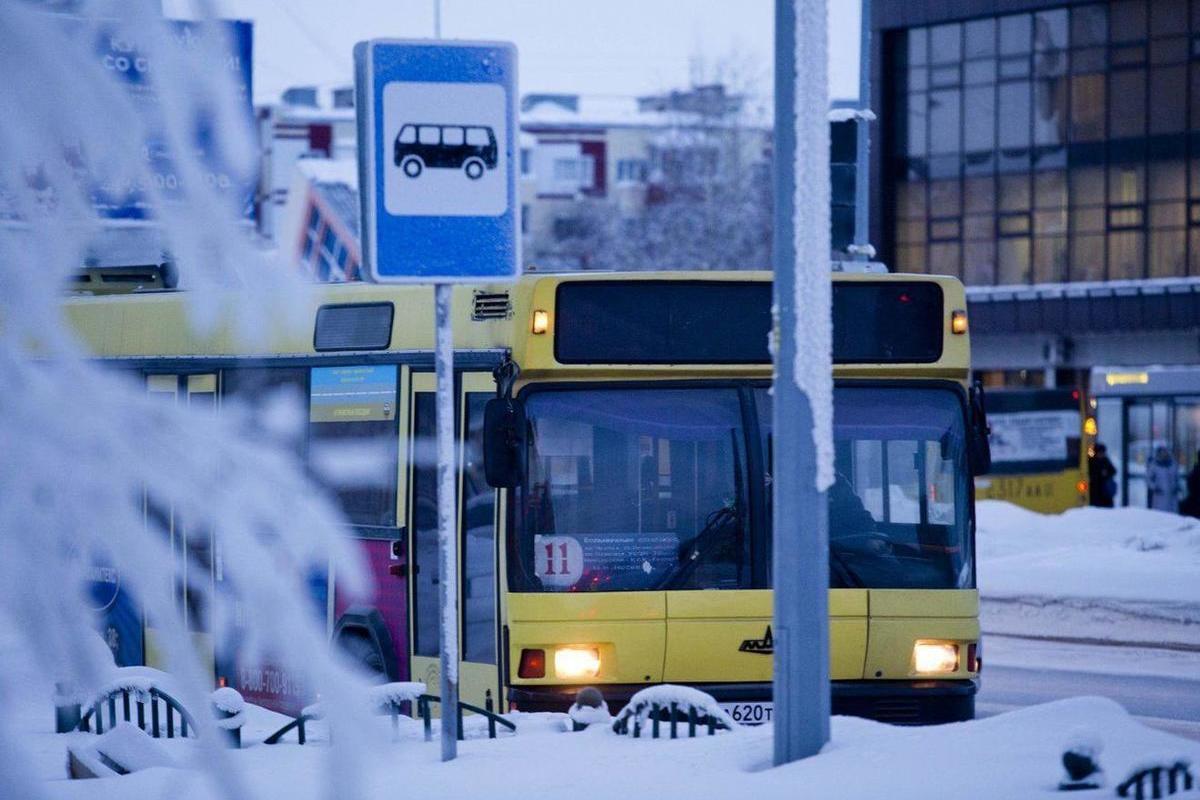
647	488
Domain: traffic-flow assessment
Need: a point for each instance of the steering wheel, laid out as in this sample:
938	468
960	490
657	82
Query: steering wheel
865	542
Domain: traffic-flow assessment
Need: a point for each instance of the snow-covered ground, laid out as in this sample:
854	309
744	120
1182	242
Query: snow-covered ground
1007	756
1090	574
1124	575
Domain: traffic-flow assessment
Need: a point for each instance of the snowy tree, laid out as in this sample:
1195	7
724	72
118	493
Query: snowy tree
83	446
707	203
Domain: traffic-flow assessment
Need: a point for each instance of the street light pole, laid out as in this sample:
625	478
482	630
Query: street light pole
802	462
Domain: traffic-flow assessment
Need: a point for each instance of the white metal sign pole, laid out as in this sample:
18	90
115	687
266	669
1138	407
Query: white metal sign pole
447	541
447	525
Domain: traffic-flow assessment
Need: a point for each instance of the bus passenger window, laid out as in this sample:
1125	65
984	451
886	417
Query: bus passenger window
478	515
430	134
425	563
478	137
452	137
354	439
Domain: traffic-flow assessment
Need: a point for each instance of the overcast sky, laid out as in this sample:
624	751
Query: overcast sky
623	47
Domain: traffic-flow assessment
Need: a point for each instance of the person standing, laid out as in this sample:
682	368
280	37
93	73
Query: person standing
1162	481
1191	503
1102	477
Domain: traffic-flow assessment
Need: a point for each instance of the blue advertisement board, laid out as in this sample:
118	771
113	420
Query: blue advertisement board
437	136
218	48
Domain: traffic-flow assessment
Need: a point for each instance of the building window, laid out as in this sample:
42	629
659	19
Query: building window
577	170
632	170
1048	146
311	235
570	228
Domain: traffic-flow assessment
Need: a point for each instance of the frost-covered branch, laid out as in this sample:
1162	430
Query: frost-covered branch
86	449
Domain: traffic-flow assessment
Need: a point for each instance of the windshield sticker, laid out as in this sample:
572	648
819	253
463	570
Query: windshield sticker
559	560
600	561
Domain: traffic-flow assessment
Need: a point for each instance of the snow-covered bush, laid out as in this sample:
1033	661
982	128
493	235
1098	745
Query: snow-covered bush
83	446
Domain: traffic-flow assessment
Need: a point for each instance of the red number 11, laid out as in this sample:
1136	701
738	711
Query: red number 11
550	559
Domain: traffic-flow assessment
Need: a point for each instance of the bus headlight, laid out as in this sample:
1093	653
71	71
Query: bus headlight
930	658
576	662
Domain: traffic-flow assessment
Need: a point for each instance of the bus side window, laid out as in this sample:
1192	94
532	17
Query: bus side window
354	439
478	515
424	556
429	134
452	136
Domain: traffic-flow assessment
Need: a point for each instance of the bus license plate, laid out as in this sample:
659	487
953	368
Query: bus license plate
749	713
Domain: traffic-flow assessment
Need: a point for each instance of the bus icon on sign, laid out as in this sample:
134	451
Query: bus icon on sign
471	148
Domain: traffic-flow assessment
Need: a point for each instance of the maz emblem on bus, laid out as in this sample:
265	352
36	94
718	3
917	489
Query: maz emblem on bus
471	148
764	646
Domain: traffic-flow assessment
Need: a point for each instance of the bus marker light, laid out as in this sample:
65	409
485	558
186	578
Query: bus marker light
576	662
935	657
541	321
958	321
533	664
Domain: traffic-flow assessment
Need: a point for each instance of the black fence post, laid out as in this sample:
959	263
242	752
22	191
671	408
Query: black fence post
67	715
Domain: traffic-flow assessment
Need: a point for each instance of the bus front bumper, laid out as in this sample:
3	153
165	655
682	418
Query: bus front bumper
923	702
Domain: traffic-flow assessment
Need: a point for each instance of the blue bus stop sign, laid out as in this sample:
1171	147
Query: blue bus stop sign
436	157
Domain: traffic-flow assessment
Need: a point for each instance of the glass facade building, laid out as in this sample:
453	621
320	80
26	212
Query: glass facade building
1060	144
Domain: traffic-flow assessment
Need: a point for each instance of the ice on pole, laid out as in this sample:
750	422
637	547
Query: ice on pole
813	333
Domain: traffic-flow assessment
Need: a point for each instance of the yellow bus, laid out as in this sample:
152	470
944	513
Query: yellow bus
630	435
1039	447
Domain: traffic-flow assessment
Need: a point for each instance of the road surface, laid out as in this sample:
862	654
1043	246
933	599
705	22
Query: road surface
1160	687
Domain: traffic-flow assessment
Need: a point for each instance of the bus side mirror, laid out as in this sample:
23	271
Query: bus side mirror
503	442
980	451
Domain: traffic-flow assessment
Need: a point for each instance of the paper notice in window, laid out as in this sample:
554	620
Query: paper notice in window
1032	435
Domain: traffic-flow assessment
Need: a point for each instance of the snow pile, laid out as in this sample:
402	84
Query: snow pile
230	702
138	681
376	699
393	694
1123	553
637	713
126	748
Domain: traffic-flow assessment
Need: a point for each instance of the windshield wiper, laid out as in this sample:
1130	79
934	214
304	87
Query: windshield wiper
690	551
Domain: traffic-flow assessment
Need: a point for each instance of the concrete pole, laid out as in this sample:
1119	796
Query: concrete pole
801	545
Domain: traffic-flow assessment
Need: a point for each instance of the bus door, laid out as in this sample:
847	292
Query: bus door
477	509
478	520
195	561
